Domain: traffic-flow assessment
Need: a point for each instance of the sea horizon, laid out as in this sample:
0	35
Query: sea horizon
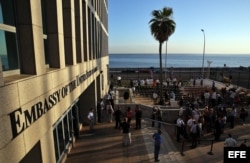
135	60
163	53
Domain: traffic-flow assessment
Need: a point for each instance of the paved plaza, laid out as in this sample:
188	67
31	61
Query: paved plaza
105	145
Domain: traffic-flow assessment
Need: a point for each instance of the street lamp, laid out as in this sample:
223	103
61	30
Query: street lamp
203	54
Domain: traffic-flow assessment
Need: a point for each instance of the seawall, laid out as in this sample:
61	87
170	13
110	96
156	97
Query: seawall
239	76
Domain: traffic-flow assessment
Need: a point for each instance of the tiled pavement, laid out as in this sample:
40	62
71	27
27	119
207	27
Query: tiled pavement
105	146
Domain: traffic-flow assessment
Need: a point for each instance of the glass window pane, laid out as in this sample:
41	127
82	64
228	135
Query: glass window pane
56	144
70	123
1	13
44	19
7	12
61	137
8	50
46	51
66	129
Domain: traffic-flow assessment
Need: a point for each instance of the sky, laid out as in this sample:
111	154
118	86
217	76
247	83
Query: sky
226	25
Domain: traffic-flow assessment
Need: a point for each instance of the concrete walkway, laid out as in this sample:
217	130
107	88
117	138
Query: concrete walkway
105	145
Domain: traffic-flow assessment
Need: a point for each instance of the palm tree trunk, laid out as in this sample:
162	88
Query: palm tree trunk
161	82
166	57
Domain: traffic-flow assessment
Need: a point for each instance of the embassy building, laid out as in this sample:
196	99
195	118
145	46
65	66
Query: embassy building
53	69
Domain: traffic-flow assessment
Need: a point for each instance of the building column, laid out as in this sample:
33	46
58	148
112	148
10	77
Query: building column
30	37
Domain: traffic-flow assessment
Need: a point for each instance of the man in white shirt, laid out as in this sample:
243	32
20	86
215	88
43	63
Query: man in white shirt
180	126
207	97
189	124
91	120
230	142
194	131
214	98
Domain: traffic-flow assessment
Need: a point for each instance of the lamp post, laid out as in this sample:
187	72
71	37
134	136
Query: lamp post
203	54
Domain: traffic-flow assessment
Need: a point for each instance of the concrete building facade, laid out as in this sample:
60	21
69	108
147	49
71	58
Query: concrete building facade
53	69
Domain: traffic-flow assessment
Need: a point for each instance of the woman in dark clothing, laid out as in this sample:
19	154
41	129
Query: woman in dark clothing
218	128
138	116
118	115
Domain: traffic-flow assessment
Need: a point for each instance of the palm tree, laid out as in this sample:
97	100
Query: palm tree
162	27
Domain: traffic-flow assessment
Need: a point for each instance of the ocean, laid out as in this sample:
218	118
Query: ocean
178	60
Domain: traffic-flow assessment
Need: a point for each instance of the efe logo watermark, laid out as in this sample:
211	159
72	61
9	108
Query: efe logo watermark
236	154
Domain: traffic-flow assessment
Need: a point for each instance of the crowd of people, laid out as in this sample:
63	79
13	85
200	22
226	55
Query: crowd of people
107	111
215	110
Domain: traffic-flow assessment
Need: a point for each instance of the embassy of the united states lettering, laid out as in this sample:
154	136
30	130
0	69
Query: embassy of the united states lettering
22	118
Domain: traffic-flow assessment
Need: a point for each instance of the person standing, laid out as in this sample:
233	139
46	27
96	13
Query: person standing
181	101
181	110
91	120
110	111
117	115
213	85
194	82
230	142
207	98
218	128
159	117
153	116
194	131
201	82
232	117
175	83
131	84
138	116
243	144
243	115
129	114
100	107
126	132
213	98
157	144
231	97
180	126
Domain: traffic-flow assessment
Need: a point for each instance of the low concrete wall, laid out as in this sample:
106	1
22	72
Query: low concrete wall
240	75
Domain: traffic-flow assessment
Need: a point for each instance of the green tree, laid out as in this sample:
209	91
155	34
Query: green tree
162	27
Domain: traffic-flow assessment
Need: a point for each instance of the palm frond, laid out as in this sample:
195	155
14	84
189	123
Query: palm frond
162	25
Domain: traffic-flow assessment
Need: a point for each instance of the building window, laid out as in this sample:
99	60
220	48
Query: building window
44	19
8	45
56	144
8	51
66	128
7	12
62	134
